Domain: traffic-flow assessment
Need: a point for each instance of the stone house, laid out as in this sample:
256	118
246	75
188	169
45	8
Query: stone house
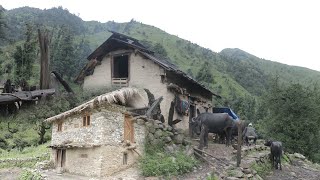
99	137
123	61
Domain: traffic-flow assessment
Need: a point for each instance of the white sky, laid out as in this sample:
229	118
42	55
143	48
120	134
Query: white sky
287	31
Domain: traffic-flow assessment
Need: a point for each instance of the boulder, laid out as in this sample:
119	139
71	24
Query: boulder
167	139
158	133
178	139
246	171
300	156
231	178
140	121
169	128
179	131
157	122
152	129
150	137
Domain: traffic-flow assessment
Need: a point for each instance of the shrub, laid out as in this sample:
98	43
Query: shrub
161	164
262	168
29	175
3	143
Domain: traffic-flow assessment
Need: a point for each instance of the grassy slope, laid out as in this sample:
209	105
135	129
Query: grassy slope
179	51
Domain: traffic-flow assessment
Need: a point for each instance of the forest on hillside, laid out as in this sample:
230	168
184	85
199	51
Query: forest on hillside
281	100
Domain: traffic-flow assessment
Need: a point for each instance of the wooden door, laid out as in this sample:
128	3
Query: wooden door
192	114
60	157
128	129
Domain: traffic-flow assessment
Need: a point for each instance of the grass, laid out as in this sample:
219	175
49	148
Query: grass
262	169
33	151
158	163
37	153
29	175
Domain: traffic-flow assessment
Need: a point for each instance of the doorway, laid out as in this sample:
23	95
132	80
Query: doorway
60	157
192	114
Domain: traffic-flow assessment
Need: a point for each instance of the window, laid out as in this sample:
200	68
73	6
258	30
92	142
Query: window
120	66
86	120
120	70
59	126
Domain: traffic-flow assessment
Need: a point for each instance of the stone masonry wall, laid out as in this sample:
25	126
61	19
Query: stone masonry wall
84	161
107	132
172	139
106	127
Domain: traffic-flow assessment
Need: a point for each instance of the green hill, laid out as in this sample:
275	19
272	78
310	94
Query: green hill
236	73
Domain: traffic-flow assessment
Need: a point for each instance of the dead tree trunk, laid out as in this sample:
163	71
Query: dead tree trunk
44	59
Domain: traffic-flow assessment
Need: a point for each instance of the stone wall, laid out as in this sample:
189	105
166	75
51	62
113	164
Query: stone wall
106	132
157	133
106	127
84	161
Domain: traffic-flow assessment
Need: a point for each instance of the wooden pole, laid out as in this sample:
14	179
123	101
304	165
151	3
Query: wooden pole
239	124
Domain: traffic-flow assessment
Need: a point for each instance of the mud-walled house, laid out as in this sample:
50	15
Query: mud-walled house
99	137
124	61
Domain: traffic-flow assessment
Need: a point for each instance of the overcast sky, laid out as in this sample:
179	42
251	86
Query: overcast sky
287	31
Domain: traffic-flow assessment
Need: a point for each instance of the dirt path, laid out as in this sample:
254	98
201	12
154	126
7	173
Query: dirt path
296	170
10	173
221	162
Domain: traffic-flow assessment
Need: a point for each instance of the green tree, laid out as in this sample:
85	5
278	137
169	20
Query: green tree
160	51
293	117
204	74
63	53
82	50
24	56
2	23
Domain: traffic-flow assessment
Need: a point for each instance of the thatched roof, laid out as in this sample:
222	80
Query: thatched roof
120	96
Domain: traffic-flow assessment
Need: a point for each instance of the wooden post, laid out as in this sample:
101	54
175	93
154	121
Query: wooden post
44	59
239	124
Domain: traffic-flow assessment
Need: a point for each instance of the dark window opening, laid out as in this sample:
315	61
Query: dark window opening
60	126
121	66
86	119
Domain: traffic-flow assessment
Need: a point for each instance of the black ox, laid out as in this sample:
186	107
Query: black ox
219	123
276	152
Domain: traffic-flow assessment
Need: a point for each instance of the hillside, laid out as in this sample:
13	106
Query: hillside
237	75
235	71
278	107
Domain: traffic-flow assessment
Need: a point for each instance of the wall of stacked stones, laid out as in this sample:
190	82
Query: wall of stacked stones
157	133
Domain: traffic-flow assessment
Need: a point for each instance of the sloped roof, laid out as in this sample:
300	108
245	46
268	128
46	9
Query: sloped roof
117	40
120	96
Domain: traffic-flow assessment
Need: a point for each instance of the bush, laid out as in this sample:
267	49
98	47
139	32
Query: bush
263	168
8	136
3	143
29	175
160	164
20	144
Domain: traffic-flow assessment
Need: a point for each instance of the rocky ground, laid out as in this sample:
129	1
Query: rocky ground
298	168
223	166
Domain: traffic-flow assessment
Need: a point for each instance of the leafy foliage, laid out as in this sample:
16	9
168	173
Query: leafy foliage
2	23
27	175
25	56
157	163
293	117
204	74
